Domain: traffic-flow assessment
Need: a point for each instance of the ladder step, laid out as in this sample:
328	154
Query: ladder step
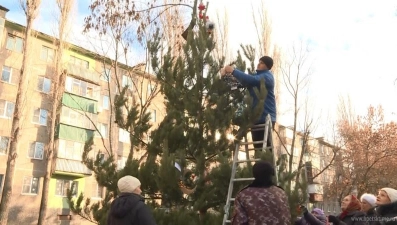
252	142
251	149
232	199
243	179
228	221
248	160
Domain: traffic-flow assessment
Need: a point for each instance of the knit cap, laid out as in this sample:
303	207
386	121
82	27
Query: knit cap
318	211
392	193
128	184
370	198
268	61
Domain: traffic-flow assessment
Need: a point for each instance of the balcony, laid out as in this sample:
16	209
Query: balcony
83	73
70	167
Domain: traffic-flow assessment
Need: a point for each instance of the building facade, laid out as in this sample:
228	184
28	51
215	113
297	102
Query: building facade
319	163
91	84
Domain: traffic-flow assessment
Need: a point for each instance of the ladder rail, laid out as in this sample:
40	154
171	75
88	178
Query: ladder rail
230	190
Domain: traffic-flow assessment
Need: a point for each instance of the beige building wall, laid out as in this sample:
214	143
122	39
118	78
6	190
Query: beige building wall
30	167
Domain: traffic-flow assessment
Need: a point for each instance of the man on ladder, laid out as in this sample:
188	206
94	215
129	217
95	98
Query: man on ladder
251	81
262	202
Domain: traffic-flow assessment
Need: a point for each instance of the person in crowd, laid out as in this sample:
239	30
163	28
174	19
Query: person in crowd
351	213
368	203
129	207
315	217
386	209
261	202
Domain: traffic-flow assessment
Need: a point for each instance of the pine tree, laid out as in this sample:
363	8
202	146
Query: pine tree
136	122
200	111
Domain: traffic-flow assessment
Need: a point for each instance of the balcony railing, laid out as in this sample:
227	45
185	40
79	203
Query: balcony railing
83	73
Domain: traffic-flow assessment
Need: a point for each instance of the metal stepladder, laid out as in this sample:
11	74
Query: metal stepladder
267	135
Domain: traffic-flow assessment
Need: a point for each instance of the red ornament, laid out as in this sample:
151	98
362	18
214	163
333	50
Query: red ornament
201	16
201	7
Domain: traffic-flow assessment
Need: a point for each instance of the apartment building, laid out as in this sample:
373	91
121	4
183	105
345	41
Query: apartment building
317	157
89	88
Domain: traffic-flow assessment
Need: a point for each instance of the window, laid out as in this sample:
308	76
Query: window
63	185
78	118
148	137
79	62
127	81
14	43
121	162
47	54
4	144
70	150
105	102
6	74
81	88
44	85
1	182
97	191
40	116
106	74
36	150
6	109
103	130
150	89
124	136
153	115
30	185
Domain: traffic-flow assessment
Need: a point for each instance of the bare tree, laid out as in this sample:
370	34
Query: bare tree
31	9
266	44
58	81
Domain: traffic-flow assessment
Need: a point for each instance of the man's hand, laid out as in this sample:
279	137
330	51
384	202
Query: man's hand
229	69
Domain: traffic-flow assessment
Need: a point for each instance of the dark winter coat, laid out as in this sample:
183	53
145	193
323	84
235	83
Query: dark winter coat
130	209
353	218
310	219
387	214
259	205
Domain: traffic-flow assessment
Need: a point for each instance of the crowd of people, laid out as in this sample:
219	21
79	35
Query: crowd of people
368	210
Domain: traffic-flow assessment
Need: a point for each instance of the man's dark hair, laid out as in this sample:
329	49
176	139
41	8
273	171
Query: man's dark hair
268	61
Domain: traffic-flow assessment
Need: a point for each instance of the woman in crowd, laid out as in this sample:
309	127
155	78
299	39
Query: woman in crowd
316	217
351	214
386	210
368	203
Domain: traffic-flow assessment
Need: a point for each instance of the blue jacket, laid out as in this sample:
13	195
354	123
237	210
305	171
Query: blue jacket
251	81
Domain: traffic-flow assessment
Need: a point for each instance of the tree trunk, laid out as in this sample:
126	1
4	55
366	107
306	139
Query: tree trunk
58	90
19	112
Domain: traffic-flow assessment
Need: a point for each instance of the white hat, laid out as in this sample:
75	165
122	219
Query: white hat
128	184
392	193
370	198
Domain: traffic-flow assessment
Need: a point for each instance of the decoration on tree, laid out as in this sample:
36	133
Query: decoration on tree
188	180
231	81
210	26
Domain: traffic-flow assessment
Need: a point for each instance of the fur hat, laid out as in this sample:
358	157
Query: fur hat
268	61
370	198
263	170
392	193
128	184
